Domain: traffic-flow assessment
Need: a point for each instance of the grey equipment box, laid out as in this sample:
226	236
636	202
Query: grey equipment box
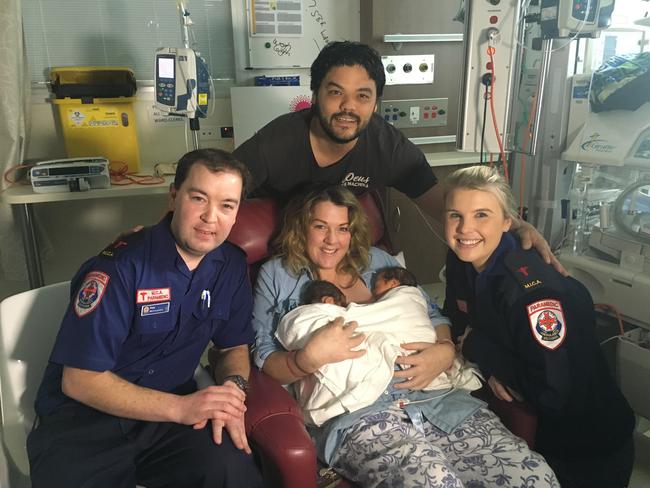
633	369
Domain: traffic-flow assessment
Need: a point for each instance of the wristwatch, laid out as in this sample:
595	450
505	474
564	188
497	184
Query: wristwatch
238	380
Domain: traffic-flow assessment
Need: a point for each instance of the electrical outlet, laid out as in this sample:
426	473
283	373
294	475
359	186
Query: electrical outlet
208	133
415	112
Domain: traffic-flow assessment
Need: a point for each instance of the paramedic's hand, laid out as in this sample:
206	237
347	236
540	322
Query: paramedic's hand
427	362
530	237
235	429
499	389
331	343
225	403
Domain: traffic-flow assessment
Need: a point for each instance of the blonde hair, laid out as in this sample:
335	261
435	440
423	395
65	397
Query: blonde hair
291	243
483	178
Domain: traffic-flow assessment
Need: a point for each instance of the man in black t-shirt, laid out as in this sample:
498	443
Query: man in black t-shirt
284	158
341	140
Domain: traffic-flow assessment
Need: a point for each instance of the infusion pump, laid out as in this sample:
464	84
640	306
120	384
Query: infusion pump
182	82
74	174
574	18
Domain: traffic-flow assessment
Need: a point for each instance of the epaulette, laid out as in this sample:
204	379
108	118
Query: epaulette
527	268
119	245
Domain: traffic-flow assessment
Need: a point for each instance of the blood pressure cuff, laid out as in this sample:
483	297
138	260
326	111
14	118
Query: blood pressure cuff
622	83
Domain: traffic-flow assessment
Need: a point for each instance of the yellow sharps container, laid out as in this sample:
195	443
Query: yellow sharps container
95	107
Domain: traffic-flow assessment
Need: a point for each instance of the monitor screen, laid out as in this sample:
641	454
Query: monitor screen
68	170
166	67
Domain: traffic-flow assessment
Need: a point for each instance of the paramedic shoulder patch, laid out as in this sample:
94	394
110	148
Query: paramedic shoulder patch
547	323
91	293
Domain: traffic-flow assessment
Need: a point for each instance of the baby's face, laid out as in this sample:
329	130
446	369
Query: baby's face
382	285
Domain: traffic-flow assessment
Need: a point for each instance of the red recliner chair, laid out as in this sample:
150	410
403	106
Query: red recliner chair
274	422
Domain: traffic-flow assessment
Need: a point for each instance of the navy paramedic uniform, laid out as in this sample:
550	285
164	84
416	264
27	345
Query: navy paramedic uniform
138	311
533	330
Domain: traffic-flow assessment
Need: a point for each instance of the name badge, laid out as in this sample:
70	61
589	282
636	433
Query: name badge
154	309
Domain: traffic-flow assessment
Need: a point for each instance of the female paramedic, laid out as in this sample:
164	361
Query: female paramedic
532	333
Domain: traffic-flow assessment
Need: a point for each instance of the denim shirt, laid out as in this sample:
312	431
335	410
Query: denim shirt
277	291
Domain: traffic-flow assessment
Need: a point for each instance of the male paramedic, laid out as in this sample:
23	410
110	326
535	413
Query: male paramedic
118	404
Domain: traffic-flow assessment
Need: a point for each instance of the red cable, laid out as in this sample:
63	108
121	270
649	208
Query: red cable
13	169
122	177
490	50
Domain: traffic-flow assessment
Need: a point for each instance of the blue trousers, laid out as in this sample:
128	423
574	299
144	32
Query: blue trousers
79	446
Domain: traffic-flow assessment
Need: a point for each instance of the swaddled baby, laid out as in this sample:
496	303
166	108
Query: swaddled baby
398	315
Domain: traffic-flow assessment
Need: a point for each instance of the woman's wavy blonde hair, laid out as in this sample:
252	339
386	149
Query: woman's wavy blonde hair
484	178
291	243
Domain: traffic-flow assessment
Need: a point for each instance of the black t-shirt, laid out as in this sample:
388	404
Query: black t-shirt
281	160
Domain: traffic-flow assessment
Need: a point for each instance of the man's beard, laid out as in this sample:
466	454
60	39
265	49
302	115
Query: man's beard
327	125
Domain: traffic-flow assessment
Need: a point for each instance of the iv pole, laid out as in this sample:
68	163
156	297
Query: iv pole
186	23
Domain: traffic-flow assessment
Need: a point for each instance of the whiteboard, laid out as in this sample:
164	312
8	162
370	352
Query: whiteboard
291	33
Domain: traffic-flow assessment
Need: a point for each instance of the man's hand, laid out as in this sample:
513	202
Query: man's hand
224	403
331	343
237	431
425	364
499	389
530	237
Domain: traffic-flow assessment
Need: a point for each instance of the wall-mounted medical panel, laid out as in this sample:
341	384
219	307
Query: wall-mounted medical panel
491	37
420	112
408	70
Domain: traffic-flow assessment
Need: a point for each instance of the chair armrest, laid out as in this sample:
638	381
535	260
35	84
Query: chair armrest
518	417
275	424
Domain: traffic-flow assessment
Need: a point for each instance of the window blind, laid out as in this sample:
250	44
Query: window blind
125	33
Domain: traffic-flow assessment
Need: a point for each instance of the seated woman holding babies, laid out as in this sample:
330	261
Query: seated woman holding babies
407	436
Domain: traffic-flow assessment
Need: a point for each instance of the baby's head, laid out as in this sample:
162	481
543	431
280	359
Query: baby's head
388	278
320	291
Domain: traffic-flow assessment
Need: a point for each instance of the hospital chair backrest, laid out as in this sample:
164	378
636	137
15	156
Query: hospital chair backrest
29	323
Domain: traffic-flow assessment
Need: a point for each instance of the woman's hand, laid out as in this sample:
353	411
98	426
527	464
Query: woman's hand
461	339
530	237
331	343
427	362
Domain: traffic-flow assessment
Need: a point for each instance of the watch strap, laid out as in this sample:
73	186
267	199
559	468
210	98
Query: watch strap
238	380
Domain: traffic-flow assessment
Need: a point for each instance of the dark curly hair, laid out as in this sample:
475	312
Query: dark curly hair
348	53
